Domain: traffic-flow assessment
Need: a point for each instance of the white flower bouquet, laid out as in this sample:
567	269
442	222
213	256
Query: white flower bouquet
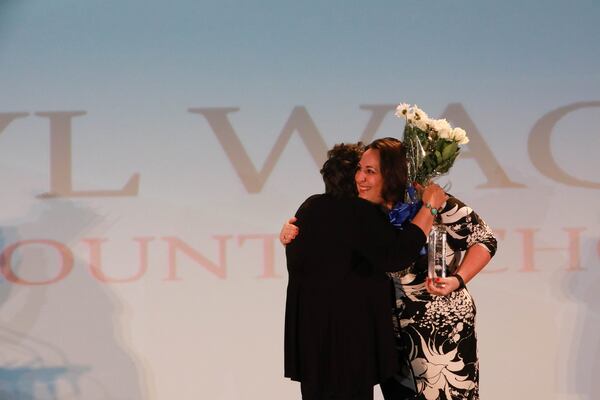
432	144
432	147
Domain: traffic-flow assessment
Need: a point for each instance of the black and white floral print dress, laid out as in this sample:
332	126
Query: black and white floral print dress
436	333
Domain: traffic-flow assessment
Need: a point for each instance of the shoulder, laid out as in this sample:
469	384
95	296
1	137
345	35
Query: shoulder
455	208
369	214
319	205
365	206
311	202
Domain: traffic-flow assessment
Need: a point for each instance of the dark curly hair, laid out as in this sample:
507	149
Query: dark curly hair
339	169
393	166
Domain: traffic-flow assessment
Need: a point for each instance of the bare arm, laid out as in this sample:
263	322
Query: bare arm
476	258
468	231
436	198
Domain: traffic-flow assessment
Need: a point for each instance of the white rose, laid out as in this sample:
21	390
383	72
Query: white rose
442	127
459	135
465	140
444	133
440	124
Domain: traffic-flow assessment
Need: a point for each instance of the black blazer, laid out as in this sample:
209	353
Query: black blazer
338	320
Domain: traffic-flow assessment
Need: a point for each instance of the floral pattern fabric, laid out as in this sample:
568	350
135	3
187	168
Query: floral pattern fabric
436	333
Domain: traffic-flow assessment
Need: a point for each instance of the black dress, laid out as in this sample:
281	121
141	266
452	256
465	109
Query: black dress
338	322
437	333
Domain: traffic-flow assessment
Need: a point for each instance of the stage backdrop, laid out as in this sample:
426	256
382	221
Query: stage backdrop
150	152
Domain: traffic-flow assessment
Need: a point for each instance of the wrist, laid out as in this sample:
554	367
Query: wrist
433	210
461	281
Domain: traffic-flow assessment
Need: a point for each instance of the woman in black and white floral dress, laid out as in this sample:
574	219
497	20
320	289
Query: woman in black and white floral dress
436	331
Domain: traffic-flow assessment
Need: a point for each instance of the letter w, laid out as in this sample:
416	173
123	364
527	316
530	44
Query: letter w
252	179
299	121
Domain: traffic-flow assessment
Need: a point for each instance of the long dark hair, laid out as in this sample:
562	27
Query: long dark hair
393	166
339	169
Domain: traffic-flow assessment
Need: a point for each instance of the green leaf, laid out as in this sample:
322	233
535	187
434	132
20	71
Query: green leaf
449	150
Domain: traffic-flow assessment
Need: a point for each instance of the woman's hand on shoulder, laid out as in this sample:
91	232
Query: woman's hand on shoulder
289	231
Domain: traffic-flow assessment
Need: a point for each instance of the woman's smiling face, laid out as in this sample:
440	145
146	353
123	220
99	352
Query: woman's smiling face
369	181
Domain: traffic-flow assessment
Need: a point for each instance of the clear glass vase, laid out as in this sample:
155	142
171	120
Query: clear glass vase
436	252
